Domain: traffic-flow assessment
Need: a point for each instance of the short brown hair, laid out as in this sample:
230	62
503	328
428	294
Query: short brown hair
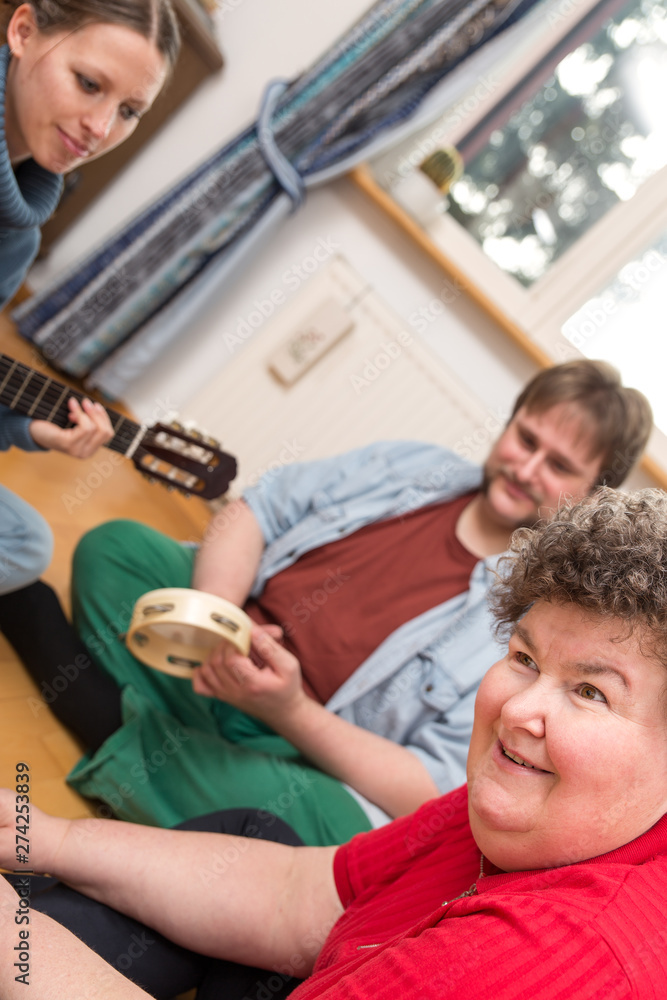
620	418
606	554
153	19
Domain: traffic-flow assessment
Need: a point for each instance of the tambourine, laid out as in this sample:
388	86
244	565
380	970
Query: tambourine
174	629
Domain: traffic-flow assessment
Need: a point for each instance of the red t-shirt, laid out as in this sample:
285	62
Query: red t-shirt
595	930
340	601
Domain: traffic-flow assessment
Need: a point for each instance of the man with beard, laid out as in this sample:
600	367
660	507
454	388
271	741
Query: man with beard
372	569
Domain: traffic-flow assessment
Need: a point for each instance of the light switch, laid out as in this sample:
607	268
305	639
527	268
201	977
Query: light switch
310	340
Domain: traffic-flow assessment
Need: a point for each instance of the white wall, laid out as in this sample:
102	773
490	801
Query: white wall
263	39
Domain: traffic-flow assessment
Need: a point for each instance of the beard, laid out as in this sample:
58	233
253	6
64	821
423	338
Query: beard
488	477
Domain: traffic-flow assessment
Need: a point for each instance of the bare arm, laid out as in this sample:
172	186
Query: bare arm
230	554
60	965
206	891
384	772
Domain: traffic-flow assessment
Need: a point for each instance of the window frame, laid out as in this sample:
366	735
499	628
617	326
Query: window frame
533	316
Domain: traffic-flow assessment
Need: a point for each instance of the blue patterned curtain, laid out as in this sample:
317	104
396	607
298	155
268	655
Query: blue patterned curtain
116	310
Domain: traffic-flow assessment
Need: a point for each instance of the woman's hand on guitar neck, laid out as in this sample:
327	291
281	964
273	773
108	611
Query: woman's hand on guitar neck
92	429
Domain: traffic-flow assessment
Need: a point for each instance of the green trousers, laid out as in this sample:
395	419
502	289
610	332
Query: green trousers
178	754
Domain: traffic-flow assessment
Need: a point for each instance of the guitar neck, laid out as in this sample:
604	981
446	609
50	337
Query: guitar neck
35	395
182	459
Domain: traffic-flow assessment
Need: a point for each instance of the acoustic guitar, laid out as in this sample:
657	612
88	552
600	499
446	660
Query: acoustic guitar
182	459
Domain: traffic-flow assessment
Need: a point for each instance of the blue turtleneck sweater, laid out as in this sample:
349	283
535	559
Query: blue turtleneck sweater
28	197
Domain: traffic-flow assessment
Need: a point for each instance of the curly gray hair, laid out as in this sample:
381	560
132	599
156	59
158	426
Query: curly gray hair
606	554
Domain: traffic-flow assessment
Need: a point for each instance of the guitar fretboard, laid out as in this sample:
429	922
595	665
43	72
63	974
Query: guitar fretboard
36	395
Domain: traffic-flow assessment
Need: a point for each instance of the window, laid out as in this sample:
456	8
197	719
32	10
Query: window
560	215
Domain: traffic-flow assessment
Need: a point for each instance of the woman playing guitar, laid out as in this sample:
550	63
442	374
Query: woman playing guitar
76	76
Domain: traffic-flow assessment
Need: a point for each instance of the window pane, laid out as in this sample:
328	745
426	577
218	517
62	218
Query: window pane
540	175
625	324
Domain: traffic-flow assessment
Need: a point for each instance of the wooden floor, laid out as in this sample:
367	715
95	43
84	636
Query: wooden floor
53	483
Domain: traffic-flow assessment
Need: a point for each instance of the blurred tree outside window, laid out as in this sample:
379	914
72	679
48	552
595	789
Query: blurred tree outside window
592	132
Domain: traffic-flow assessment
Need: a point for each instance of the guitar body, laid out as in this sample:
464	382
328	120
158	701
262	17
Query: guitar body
182	459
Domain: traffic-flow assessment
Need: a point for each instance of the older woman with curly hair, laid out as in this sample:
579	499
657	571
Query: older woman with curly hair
544	877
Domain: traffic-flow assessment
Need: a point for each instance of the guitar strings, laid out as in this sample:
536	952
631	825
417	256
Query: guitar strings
43	398
29	391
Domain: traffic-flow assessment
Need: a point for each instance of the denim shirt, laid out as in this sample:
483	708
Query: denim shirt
418	687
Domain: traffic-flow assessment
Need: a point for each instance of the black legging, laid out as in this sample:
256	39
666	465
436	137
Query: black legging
78	691
161	968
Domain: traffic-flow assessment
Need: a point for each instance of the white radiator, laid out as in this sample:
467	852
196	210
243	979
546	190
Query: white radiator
376	382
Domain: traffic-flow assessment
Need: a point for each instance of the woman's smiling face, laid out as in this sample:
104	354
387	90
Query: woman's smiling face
74	95
568	757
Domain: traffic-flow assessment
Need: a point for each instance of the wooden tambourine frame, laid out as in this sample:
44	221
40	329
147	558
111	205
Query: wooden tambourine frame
174	629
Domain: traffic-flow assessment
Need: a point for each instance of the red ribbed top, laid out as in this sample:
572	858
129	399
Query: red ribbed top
595	930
